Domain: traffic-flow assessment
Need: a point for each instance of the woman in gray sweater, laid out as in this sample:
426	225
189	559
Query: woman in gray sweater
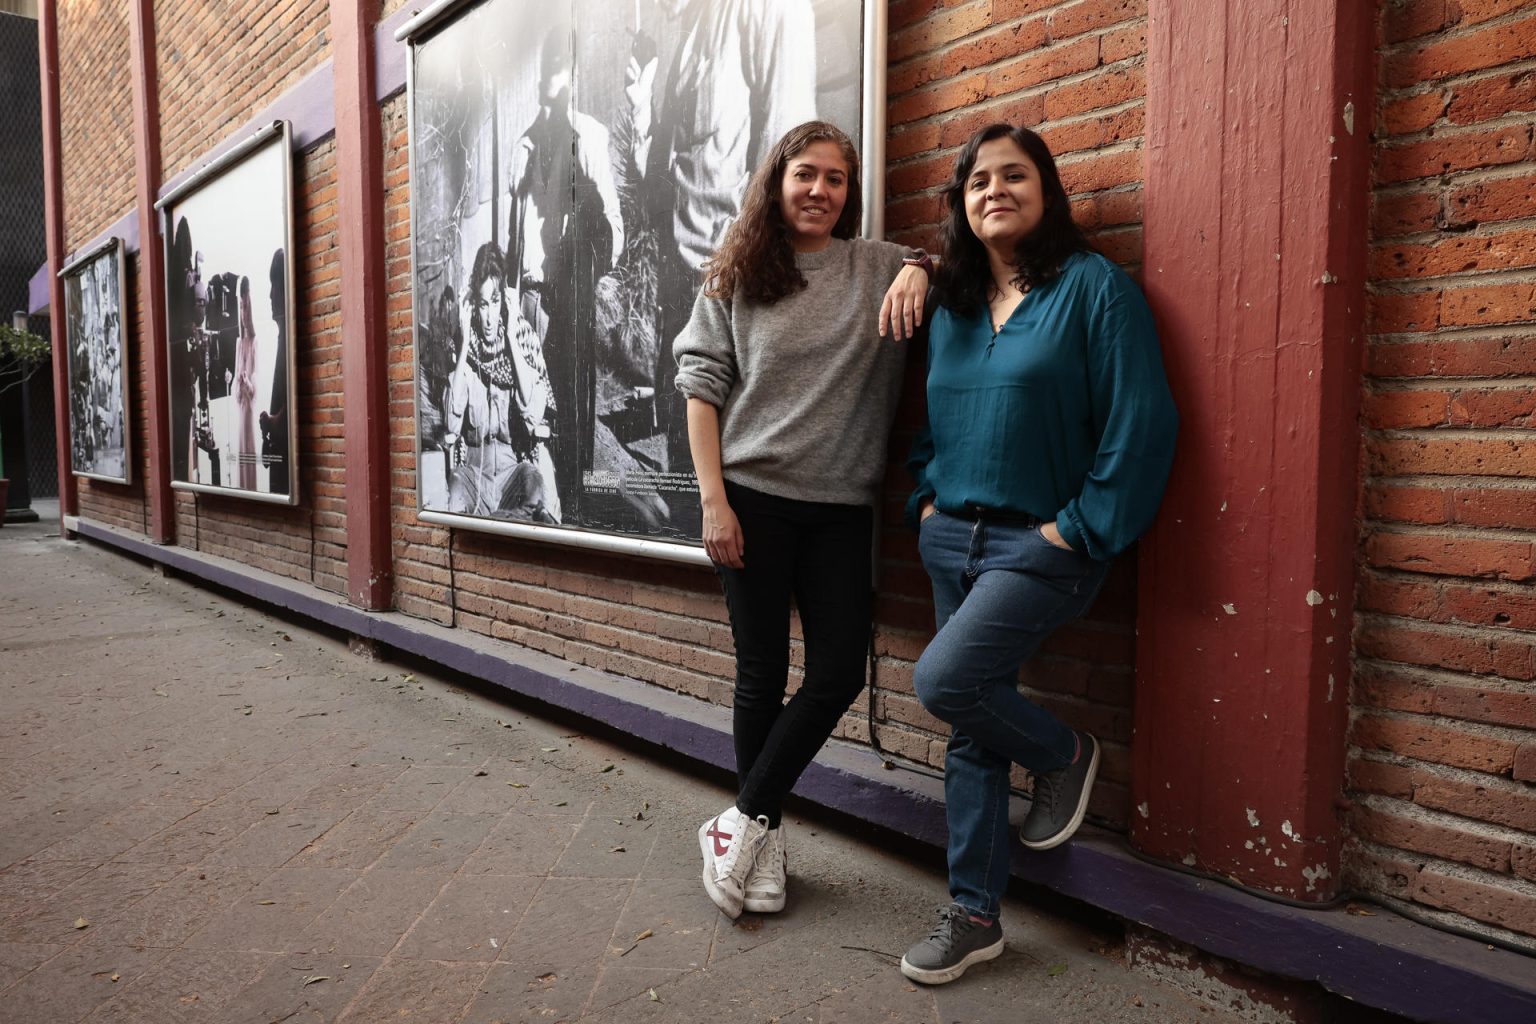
790	394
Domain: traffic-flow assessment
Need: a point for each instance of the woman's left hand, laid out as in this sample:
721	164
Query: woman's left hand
1050	533
902	311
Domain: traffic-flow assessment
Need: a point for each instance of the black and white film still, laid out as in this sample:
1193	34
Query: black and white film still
572	167
229	308
94	302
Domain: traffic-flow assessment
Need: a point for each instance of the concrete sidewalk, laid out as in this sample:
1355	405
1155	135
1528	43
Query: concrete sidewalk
212	815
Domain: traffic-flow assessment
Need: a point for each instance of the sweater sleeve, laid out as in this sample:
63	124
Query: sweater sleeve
1135	419
706	353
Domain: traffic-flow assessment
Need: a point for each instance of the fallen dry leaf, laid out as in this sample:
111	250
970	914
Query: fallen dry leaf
311	981
81	922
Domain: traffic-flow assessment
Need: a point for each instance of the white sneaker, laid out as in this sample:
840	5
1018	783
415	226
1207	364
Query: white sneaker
729	843
770	873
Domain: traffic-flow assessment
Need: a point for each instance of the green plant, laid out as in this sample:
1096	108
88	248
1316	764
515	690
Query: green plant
22	354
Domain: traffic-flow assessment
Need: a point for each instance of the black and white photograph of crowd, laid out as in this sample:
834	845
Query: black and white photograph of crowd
228	287
572	167
98	372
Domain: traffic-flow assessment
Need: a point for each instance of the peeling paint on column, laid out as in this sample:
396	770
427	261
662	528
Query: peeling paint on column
1314	598
1253	817
1315	875
1143	810
1349	117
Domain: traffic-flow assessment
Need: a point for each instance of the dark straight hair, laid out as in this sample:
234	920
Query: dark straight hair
965	275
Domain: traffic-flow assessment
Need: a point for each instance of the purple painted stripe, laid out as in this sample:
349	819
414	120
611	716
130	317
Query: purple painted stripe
389	55
1382	960
125	227
37	292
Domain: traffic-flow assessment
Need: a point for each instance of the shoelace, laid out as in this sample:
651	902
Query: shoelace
736	866
953	922
1046	792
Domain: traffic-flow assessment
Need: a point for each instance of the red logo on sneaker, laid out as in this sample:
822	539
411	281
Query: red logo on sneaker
721	848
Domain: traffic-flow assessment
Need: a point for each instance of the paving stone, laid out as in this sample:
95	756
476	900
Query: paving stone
193	837
297	897
276	838
606	846
75	982
33	880
98	897
522	844
439	842
358	840
884	997
419	991
183	905
569	921
516	993
300	988
469	920
419	788
680	918
19	958
182	986
375	911
346	788
630	987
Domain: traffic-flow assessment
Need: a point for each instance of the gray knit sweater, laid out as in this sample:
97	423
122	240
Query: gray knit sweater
806	387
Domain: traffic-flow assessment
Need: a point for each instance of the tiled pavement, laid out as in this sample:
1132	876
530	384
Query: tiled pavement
208	814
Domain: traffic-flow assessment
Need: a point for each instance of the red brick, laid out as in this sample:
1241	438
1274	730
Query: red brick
1092	133
938	29
1122	43
1493	505
1451	555
1090	15
1406	833
1398	312
1487	202
1380	686
1489	304
1496	707
1525	763
1511	607
1455	254
1404	213
1101	171
1413	113
1023	110
1506	655
1492	147
1491	97
1473	51
1477	900
1476	357
1456	456
990	47
1109	88
1403	409
1412	736
1407	598
1043	65
1523	861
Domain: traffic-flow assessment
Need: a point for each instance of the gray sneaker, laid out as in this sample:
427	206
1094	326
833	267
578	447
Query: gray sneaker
955	943
1061	799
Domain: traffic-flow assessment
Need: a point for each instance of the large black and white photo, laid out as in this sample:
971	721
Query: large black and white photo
98	366
572	167
229	307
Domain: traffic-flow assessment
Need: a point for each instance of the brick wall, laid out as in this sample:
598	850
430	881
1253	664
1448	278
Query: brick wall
95	117
219	64
1443	757
96	132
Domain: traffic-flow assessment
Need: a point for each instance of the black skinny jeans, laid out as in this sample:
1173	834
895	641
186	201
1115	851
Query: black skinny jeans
819	555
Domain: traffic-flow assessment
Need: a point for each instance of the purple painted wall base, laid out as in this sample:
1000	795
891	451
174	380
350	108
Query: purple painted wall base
1382	960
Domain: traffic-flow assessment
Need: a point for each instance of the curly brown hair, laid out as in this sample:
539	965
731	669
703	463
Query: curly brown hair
756	260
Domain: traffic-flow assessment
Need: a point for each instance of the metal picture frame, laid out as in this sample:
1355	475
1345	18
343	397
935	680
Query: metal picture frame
227	360
862	24
98	414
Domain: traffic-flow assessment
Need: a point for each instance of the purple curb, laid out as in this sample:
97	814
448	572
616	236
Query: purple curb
1382	960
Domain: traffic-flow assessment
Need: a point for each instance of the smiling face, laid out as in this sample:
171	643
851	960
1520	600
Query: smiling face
812	194
1003	198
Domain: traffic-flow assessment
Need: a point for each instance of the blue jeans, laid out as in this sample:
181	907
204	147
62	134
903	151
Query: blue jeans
999	589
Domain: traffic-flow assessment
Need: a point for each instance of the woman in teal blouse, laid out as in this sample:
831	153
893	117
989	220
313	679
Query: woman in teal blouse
1049	439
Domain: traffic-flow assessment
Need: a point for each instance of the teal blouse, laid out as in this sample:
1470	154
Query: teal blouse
1064	415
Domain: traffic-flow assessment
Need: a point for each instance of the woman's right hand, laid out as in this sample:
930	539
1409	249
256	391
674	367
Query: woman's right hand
927	510
722	534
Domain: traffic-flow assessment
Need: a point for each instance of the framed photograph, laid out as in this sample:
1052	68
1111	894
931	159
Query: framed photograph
229	310
95	297
573	165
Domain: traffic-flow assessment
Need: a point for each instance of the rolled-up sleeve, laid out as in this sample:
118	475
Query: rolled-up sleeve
705	351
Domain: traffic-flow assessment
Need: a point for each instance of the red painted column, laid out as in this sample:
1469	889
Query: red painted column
364	384
53	217
1257	184
152	328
